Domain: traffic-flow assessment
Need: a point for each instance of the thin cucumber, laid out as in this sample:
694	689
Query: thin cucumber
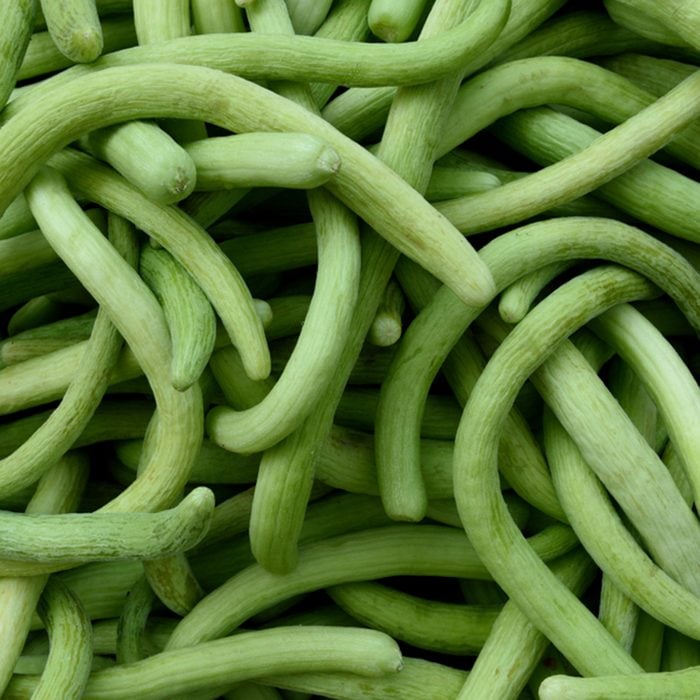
132	622
300	58
44	543
650	192
69	662
554	80
216	16
17	21
451	628
322	337
58	491
298	161
665	376
160	20
515	645
583	168
415	550
211	666
410	684
188	313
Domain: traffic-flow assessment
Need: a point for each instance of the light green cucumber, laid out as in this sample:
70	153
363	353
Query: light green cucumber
58	491
69	662
380	203
298	161
187	242
175	436
188	313
17	22
42	543
412	550
43	56
387	325
448	183
146	156
308	15
393	21
216	16
75	28
679	685
160	20
17	218
450	628
674	22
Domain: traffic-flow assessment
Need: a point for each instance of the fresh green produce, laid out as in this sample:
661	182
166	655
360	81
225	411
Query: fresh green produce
348	349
